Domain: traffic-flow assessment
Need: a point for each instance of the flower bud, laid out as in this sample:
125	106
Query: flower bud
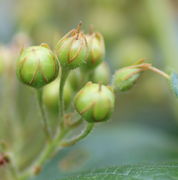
95	102
51	95
72	49
125	78
96	50
76	79
101	74
37	66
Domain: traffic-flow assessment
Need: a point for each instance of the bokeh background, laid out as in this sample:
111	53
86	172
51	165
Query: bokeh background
144	127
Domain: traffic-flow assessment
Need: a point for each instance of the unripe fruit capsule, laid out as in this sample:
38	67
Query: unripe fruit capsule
95	102
37	66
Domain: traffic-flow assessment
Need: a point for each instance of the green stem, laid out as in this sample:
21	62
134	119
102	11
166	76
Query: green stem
48	151
51	148
82	135
158	71
146	66
64	75
43	115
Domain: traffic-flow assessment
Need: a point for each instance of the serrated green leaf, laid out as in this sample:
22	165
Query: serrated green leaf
167	171
174	83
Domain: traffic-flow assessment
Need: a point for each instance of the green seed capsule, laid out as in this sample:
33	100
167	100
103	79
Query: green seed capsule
101	74
72	50
37	66
95	102
51	95
96	50
125	78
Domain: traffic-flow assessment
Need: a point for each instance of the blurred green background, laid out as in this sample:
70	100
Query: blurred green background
144	127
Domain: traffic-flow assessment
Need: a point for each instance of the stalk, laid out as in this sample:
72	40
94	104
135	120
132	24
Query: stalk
43	115
64	75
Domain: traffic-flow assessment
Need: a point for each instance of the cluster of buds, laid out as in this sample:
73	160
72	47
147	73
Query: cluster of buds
77	49
38	65
84	78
